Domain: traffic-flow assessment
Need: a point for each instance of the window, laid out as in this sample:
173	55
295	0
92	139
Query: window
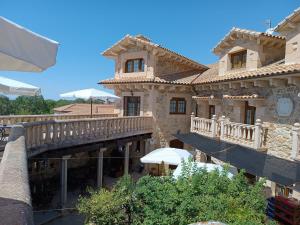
132	105
177	106
134	65
238	60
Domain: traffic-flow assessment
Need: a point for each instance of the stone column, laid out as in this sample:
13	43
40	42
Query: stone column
295	140
257	134
100	167
214	126
192	122
147	147
126	161
64	180
222	124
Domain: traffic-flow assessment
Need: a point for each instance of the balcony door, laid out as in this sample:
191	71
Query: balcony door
211	111
132	105
249	114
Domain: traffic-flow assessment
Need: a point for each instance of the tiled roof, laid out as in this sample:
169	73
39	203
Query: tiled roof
295	15
211	75
229	36
204	97
175	78
82	109
244	97
145	41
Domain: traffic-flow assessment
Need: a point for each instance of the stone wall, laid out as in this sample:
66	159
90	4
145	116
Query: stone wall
167	124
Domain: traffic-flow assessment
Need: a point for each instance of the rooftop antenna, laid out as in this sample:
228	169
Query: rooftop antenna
268	22
269	30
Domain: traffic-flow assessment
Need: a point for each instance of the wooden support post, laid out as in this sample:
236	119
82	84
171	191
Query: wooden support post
64	180
100	168
126	161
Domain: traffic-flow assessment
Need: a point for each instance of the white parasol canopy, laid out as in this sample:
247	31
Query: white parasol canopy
90	94
23	50
171	156
13	87
208	166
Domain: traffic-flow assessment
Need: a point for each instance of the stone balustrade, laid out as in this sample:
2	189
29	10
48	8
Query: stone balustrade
14	119
47	135
244	134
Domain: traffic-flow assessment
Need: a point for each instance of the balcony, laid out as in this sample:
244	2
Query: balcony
251	136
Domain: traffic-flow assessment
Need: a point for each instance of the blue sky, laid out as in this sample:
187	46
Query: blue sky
85	28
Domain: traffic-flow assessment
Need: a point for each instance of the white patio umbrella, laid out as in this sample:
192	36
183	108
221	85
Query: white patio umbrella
13	87
23	50
91	94
171	156
200	165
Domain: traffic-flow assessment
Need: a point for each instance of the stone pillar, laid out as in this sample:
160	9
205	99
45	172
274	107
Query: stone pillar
64	180
295	140
222	124
192	122
126	161
100	168
147	149
273	188
200	156
257	134
214	126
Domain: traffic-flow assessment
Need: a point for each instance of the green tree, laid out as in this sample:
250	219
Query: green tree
5	105
195	196
30	105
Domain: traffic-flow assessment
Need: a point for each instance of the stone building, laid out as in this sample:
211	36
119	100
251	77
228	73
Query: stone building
250	96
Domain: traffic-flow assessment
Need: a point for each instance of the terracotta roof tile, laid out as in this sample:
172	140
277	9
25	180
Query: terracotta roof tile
143	40
211	75
235	31
85	109
294	16
185	77
244	97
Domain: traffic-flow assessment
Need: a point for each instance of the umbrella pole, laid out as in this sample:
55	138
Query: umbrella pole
91	108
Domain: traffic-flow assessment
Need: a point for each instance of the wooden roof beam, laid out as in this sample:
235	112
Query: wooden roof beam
246	84
261	83
294	81
234	85
275	82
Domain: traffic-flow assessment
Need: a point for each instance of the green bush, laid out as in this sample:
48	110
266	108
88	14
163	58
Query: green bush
203	196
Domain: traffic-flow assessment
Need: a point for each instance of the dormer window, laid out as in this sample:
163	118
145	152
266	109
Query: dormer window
134	65
238	60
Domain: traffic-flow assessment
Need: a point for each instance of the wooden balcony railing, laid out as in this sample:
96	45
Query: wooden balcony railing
48	135
14	119
248	135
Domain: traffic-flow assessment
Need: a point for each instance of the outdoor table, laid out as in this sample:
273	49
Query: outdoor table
4	132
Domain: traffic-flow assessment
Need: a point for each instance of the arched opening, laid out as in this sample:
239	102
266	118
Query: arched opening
176	144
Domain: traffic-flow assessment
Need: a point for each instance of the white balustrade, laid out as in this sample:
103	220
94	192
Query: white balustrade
201	125
14	119
39	134
244	134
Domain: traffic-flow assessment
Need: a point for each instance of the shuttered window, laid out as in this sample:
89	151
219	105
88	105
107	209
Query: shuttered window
134	65
238	60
